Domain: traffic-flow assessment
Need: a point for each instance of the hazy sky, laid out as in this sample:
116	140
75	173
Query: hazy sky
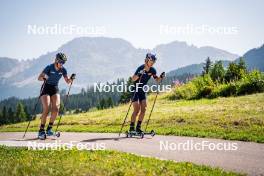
141	22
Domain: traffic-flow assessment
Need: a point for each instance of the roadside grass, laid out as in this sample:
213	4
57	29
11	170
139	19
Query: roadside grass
233	118
21	161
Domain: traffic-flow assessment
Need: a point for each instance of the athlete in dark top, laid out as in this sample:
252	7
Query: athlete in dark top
140	78
50	92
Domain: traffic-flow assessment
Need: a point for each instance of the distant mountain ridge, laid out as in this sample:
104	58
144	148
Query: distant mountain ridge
254	59
99	59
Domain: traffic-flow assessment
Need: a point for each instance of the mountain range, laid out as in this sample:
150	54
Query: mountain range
102	59
254	59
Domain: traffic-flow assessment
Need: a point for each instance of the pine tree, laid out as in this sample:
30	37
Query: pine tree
110	102
207	66
20	113
217	73
27	114
242	66
10	115
83	91
103	104
4	114
1	119
125	96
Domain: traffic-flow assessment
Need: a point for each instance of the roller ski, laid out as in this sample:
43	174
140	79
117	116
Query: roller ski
130	134
151	133
134	133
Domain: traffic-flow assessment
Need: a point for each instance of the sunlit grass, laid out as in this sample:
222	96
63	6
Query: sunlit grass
235	118
20	161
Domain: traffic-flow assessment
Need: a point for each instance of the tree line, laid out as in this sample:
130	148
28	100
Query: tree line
20	114
13	110
217	81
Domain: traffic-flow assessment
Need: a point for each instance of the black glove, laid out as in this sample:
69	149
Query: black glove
73	76
162	75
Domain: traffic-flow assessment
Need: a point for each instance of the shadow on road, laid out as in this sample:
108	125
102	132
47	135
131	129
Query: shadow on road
112	138
33	139
30	139
104	139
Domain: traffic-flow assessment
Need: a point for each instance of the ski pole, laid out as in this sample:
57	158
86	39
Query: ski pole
66	100
35	107
153	104
122	126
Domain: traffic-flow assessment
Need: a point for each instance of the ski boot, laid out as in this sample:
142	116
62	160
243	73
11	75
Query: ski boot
49	132
134	132
42	135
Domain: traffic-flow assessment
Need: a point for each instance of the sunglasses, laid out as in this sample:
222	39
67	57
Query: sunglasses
61	62
153	60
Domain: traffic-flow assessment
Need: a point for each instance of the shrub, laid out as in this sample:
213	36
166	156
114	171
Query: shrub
187	91
227	90
217	73
251	83
199	87
206	92
204	87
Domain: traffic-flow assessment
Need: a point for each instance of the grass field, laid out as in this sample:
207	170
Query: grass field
234	118
20	161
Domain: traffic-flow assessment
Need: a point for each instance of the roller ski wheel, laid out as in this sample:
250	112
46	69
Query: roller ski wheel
142	135
57	134
129	134
152	133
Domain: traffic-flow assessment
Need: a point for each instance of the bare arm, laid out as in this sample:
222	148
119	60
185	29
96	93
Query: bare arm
42	76
135	77
138	75
158	79
67	79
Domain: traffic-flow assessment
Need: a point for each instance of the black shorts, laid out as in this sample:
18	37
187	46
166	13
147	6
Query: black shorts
50	90
139	96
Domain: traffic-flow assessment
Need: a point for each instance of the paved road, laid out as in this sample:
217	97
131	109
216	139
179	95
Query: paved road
243	157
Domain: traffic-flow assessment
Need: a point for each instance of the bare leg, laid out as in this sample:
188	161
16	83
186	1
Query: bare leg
136	107
45	100
55	107
143	107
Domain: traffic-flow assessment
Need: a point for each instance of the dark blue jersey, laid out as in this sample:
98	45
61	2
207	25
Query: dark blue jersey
146	76
54	75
